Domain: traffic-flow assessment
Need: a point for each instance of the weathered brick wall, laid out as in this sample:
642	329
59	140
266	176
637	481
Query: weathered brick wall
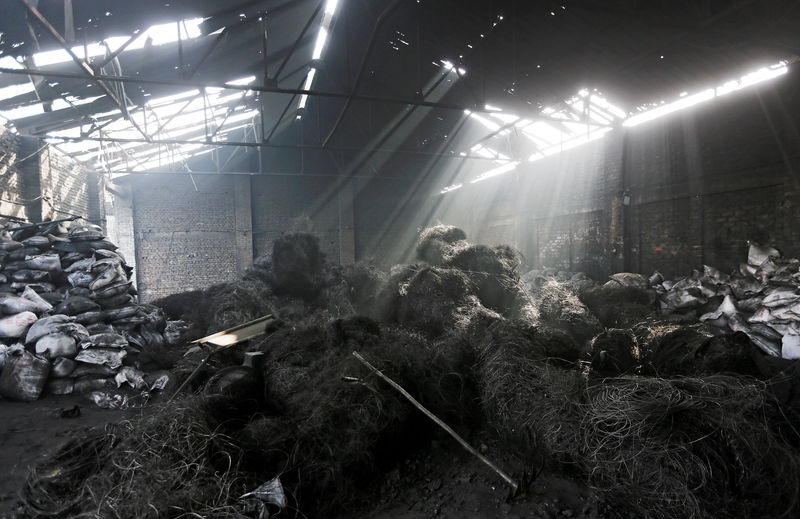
12	180
38	183
184	232
192	235
285	203
68	189
701	183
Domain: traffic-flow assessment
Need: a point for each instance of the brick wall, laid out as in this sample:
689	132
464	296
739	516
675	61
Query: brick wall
37	183
191	234
284	203
12	187
184	232
68	189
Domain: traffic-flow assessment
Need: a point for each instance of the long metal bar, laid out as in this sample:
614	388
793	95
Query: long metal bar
133	38
378	23
438	421
255	88
283	114
261	145
297	41
231	108
88	71
207	52
180	111
40	224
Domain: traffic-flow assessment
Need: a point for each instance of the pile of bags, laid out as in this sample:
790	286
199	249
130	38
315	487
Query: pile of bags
69	317
761	299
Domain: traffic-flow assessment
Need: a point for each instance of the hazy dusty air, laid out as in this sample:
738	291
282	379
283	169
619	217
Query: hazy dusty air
399	258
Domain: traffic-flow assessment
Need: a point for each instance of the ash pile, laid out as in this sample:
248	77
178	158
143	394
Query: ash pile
548	372
69	317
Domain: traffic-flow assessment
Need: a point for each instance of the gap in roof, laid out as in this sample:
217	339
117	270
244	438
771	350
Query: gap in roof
685	100
160	34
319	47
603	115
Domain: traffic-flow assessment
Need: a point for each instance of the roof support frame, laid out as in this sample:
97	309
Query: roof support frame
255	88
88	71
260	145
296	43
349	98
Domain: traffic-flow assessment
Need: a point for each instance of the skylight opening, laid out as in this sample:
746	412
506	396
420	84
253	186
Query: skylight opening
506	118
170	99
499	170
685	101
330	7
23	111
448	66
156	35
452	187
241	81
680	104
307	86
319	48
544	131
322	37
16	90
490	125
547	138
9	62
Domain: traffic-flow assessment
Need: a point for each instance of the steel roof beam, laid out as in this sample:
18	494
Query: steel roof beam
255	88
88	71
264	145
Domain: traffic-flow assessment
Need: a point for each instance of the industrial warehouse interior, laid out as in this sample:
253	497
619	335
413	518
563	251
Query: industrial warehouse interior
399	259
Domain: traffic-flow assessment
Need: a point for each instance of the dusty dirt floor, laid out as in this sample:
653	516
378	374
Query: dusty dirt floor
441	481
446	481
29	430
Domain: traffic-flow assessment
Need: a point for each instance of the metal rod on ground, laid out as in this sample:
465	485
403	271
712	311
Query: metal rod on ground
194	373
439	422
40	224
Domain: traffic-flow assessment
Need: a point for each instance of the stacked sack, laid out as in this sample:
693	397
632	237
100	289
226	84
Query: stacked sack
68	302
761	298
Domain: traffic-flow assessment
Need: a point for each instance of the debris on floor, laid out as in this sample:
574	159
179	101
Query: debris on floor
69	317
553	376
761	299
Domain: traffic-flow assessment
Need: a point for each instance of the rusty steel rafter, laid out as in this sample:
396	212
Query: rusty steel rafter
297	41
255	88
365	59
87	70
136	34
245	144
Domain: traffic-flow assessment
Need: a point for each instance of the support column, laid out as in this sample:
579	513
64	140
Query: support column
119	221
243	221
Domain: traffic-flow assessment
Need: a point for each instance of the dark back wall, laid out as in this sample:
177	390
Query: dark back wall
701	182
